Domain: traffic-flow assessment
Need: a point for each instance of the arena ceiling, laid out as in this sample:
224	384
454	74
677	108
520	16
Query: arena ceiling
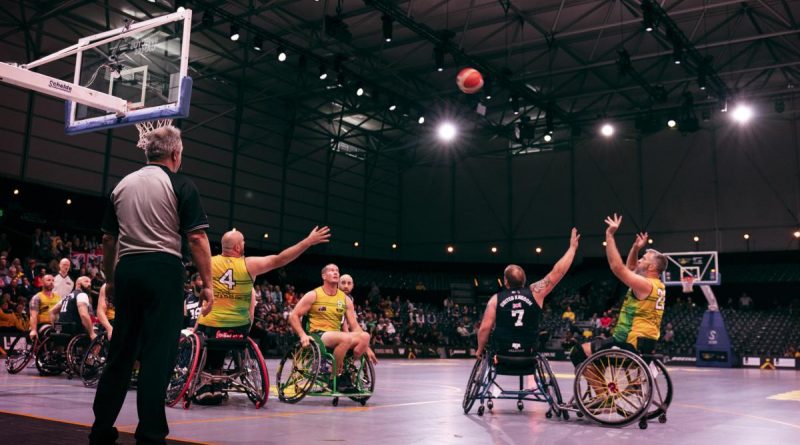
550	65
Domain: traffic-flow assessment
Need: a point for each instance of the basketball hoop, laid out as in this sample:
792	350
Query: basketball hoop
687	281
148	127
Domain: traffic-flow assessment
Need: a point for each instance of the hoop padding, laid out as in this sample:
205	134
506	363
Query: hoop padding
177	110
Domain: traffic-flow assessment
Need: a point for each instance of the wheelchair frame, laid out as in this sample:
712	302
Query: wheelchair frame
483	381
305	376
189	374
618	388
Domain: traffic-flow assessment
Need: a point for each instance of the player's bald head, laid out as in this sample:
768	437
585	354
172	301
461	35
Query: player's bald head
514	276
231	239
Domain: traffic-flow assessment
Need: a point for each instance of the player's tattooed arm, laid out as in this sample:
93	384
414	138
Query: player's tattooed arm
542	285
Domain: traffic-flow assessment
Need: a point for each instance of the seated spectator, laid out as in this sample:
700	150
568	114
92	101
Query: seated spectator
745	302
568	316
669	333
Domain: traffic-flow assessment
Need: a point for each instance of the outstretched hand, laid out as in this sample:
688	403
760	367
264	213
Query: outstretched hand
574	238
319	235
641	240
613	224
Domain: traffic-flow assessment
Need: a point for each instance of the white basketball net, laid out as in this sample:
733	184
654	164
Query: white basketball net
149	126
686	282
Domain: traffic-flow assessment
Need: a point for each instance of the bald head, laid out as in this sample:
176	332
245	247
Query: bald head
63	266
346	284
84	282
233	243
514	276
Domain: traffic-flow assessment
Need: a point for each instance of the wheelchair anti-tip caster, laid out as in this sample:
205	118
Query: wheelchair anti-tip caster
643	424
480	410
549	414
662	418
520	406
490	405
335	401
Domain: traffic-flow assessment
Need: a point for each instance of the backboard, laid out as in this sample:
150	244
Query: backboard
702	266
143	63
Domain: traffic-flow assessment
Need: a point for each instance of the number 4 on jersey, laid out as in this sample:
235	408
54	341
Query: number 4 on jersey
227	279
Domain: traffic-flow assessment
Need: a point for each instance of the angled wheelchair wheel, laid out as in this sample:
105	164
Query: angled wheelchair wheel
298	372
50	356
185	370
19	353
364	379
613	387
547	381
94	361
662	393
255	377
475	384
76	349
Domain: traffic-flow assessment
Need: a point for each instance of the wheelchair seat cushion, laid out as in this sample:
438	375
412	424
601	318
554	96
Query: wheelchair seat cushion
511	365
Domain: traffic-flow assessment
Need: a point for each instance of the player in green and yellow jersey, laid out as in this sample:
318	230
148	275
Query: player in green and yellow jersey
327	306
232	276
639	324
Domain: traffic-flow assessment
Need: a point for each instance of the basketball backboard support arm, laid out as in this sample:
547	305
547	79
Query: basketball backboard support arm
710	297
51	86
20	75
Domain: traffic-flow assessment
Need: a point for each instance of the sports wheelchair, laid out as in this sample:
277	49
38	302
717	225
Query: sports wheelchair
311	371
94	359
56	350
484	387
244	369
617	387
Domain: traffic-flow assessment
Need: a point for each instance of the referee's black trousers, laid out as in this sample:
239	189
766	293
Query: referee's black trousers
148	295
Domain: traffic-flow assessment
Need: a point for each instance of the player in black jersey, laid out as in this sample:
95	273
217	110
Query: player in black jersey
73	312
191	302
514	312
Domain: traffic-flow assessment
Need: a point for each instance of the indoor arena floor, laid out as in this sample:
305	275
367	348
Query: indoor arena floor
419	401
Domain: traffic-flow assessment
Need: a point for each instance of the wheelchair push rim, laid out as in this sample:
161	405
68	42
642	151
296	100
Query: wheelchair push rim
613	387
300	366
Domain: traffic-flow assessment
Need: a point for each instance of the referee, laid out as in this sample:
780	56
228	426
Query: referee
149	210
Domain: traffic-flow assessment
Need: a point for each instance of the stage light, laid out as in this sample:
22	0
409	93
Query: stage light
359	90
447	131
234	35
438	57
607	130
421	120
387	27
355	244
548	138
494	249
696	238
742	113
323	72
282	54
671	123
258	43
450	249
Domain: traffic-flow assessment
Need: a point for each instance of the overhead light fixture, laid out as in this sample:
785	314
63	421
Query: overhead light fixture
355	244
548	138
323	71
387	27
677	53
281	54
447	131
696	239
438	57
648	16
394	245
16	191
494	249
69	201
538	250
421	120
359	90
515	104
746	236
671	123
607	130
742	113
392	107
234	35
487	88
450	249
180	5
258	43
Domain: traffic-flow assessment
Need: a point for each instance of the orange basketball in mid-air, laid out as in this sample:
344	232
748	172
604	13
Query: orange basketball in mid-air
469	80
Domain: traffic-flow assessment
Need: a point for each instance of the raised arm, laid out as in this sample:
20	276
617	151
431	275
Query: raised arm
543	287
489	318
263	264
301	309
633	255
640	285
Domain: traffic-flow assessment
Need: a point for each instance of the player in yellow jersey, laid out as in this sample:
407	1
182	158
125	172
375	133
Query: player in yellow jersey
327	306
232	276
639	324
41	304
